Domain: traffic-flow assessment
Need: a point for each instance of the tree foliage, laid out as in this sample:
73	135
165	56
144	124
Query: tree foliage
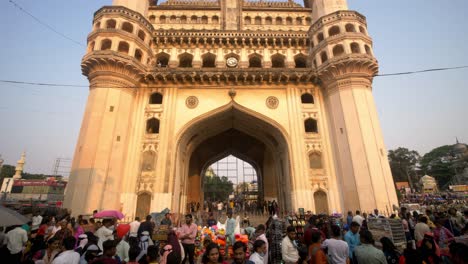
404	164
217	188
438	163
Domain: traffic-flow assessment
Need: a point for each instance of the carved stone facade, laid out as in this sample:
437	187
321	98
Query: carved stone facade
178	85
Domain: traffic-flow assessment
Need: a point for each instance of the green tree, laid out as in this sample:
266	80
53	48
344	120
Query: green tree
438	163
7	172
404	164
217	188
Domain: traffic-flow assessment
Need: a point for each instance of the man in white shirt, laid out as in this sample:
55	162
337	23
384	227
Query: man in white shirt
261	236
15	240
69	256
358	218
337	249
104	233
36	221
421	228
289	250
134	227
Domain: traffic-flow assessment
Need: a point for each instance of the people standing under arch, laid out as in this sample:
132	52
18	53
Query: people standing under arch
188	232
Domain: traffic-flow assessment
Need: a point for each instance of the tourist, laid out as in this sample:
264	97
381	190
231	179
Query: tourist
391	253
122	247
145	242
410	255
366	253
188	232
316	254
364	222
167	220
211	221
48	254
459	253
104	233
134	226
146	226
91	253
376	214
357	218
220	207
430	215
152	255
259	251
429	250
443	237
69	256
133	253
240	249
456	221
82	241
63	232
230	227
352	238
406	227
177	247
289	246
109	251
420	229
212	255
260	231
337	249
36	221
349	218
15	240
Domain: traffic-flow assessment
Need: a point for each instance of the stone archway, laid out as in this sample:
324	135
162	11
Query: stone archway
233	129
321	202
143	205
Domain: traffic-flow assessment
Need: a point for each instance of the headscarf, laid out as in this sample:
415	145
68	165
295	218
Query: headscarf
167	250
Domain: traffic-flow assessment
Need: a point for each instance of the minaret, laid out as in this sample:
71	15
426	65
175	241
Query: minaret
343	57
140	6
20	166
117	57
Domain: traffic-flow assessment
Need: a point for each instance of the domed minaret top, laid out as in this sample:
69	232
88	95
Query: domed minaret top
20	166
321	8
140	6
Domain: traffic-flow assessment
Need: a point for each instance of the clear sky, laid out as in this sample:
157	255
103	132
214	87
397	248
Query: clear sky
419	112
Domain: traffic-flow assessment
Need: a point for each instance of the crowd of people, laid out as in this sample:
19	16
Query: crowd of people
432	238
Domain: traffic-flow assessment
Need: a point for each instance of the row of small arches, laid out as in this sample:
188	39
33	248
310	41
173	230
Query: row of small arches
335	30
185	19
209	60
157	98
125	26
276	21
123	47
339	50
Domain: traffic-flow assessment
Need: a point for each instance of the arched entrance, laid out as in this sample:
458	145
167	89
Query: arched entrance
321	202
238	131
143	205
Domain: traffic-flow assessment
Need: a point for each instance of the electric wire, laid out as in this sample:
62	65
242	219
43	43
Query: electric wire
82	85
45	24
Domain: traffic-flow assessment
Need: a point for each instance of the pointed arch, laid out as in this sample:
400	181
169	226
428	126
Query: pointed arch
338	50
111	23
208	60
162	59
124	47
185	60
255	60
277	61
321	202
355	48
128	27
335	30
300	61
106	44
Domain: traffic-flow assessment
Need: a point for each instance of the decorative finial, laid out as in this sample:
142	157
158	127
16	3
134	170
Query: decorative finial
232	93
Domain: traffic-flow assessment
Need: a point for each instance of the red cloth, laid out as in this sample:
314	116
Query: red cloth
122	230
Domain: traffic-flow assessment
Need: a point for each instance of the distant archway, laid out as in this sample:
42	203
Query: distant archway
143	205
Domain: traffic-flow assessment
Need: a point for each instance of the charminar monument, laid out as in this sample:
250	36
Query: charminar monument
178	85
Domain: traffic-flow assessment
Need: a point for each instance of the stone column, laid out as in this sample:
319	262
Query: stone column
99	160
197	59
360	156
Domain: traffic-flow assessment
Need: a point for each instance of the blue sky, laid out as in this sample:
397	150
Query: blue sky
419	111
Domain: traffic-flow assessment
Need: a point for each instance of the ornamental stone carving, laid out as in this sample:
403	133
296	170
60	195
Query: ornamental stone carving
272	102
191	102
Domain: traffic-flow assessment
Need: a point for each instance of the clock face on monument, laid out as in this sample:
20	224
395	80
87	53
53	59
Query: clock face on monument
231	62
